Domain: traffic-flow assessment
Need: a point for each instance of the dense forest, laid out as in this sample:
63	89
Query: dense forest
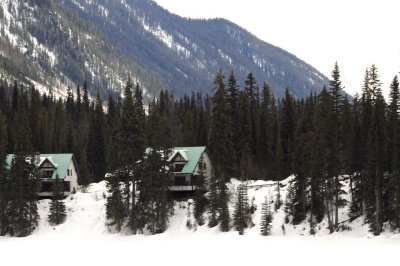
250	134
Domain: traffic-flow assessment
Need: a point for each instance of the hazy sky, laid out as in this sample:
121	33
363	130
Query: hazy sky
354	33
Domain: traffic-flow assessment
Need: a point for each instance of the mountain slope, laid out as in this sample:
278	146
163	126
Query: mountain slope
61	43
42	41
186	53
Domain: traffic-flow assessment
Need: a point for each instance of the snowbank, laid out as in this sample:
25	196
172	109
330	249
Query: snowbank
84	239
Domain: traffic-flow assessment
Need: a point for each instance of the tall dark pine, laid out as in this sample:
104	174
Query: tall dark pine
115	210
139	142
251	90
22	208
266	218
200	199
96	145
393	136
3	176
221	147
234	115
336	91
241	216
288	127
58	212
376	156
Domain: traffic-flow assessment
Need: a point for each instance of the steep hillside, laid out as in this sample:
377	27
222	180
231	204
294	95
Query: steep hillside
61	43
41	41
186	53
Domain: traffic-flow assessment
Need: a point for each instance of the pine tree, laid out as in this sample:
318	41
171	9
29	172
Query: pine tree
96	145
234	117
115	211
337	105
200	199
22	209
57	213
213	202
221	148
266	218
376	155
241	216
220	140
3	177
287	131
393	136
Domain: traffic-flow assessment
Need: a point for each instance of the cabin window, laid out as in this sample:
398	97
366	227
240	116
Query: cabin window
179	167
67	186
47	187
180	181
47	173
69	172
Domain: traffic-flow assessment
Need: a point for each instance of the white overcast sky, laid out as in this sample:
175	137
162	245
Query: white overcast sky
354	33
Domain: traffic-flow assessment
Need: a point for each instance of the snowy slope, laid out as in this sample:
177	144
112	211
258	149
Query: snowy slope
84	239
86	215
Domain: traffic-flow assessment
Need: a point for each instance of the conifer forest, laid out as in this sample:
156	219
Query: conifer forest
322	140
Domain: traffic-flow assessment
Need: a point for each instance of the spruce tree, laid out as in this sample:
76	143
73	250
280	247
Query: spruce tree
22	208
337	146
221	147
376	155
241	216
213	202
58	212
96	145
266	217
200	199
4	192
115	211
393	136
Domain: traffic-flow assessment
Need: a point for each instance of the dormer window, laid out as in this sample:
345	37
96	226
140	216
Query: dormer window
179	167
46	173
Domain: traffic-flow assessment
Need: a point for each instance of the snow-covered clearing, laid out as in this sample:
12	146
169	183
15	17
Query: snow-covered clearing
84	240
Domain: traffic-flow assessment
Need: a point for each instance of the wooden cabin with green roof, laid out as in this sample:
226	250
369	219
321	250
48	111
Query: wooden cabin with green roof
184	167
51	166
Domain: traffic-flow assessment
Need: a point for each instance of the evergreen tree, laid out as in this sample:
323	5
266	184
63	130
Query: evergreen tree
22	209
376	156
393	136
200	199
96	145
57	213
4	192
213	202
115	211
241	216
266	218
221	147
220	140
337	105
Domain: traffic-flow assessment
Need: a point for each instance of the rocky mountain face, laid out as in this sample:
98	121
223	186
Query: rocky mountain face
59	43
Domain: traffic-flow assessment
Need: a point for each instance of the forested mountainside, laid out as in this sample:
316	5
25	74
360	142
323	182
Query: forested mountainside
43	42
63	43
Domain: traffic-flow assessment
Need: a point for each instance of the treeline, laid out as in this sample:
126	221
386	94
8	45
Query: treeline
250	135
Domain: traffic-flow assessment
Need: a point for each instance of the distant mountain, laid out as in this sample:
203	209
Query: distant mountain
104	40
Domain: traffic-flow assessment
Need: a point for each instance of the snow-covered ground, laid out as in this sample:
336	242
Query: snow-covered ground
84	239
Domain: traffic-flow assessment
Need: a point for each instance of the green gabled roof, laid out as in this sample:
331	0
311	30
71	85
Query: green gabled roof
59	160
192	155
